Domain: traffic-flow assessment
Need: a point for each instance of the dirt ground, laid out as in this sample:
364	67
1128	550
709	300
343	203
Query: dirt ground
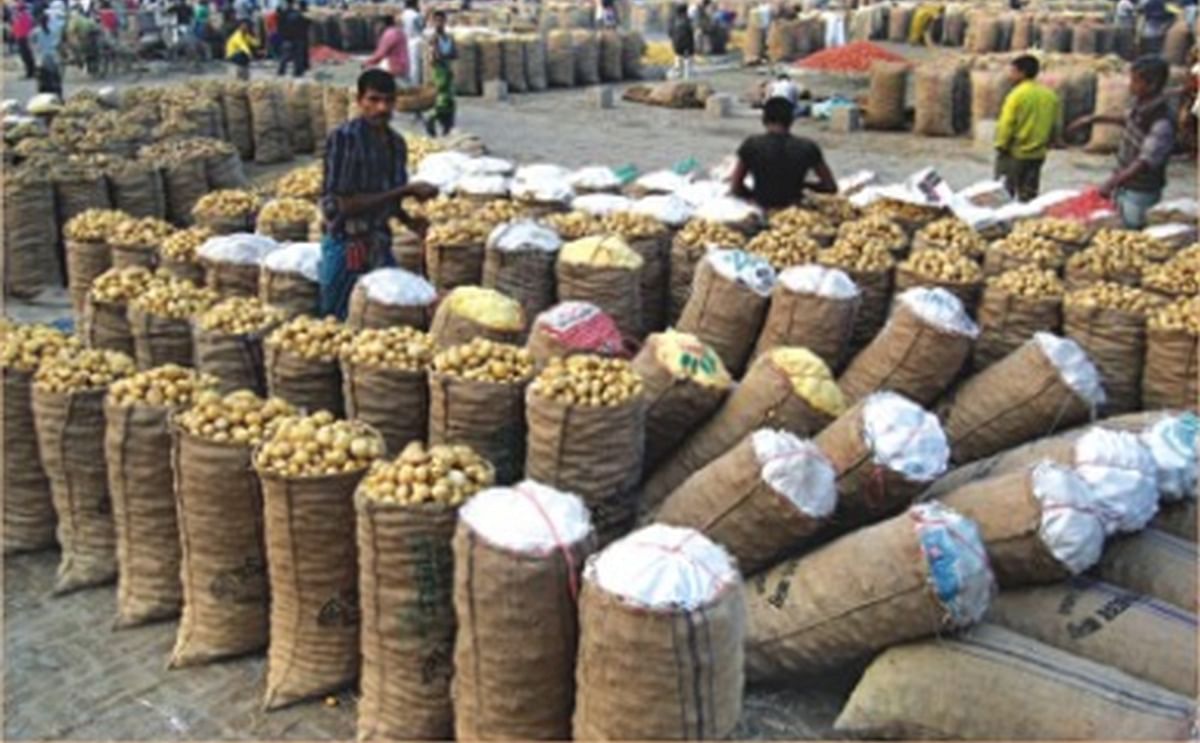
67	675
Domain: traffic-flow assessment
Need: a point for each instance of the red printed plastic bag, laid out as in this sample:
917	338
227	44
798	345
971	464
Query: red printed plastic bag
1088	206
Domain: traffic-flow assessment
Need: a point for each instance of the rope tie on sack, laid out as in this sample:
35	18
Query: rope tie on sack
559	544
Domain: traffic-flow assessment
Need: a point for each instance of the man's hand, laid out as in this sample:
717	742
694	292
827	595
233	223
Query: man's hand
1107	188
419	191
1079	124
417	225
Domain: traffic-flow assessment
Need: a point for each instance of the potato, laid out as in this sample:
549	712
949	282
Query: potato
401	348
240	417
174	298
147	233
240	316
183	244
951	233
856	253
169	386
632	226
94	225
943	267
24	347
288	210
1028	281
317	445
229	202
699	233
573	225
310	338
1110	295
119	285
1039	251
1182	314
873	229
81	370
1138	243
804	221
784	248
458	232
483	360
1062	230
440	474
301	183
588	381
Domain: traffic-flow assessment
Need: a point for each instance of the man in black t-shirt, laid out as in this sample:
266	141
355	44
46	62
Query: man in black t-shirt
779	162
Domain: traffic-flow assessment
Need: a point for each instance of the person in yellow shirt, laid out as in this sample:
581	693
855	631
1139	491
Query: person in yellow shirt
1029	122
239	49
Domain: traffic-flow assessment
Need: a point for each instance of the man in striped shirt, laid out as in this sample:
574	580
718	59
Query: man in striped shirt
366	179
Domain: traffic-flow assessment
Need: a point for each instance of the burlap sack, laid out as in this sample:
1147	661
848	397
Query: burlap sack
1141	636
77	191
185	181
560	59
615	290
486	416
983	33
364	312
312	566
988	90
938	91
159	340
1172	370
1115	341
991	684
1009	517
632	48
316	118
885	98
1177	44
867	491
656	258
674	405
1177	519
866	591
290	291
968	293
764	397
128	256
823	325
491	58
514	66
30	258
754	48
137	189
610	56
300	125
1055	37
394	402
587	57
524	275
235	104
452	329
223	169
85	261
1151	563
1006	321
29	519
336	106
875	288
1086	39
224	224
595	453
296	231
731	503
1021	397
1023	32
235	360
106	325
630	663
231	279
405	578
310	384
725	314
916	359
136	438
70	434
450	266
683	261
781	40
467	68
898	21
220	510
535	63
954	26
407	249
506	686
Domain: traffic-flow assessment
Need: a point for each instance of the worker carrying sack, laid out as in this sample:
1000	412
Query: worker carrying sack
519	262
640	595
885	450
1040	525
918	353
919	574
760	499
992	683
391	297
684	383
1046	385
1142	636
288	278
787	388
813	307
518	555
730	293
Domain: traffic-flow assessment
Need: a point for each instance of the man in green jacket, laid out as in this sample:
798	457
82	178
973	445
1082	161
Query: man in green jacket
1027	126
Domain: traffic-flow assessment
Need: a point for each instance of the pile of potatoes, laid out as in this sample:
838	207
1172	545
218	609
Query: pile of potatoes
855	254
1028	281
174	298
169	386
784	248
950	233
311	338
804	221
228	202
458	232
499	211
1108	260
1138	243
441	474
240	316
302	183
588	381
146	233
240	417
482	360
400	348
317	445
943	266
119	285
1039	251
82	370
443	208
573	225
1113	296
290	210
1182	314
93	225
873	229
632	226
1062	230
700	233
183	245
24	347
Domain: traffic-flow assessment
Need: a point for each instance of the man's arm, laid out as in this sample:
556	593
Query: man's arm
1006	124
1083	121
354	204
1156	149
737	180
826	183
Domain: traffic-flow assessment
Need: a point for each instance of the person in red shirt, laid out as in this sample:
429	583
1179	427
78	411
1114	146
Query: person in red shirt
108	19
391	51
22	26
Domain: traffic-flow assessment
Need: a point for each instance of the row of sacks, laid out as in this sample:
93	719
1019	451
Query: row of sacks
202	506
533	63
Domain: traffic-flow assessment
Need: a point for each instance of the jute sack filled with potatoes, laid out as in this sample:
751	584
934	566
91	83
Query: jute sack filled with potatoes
477	398
519	263
232	262
572	327
788	388
105	320
954	272
391	297
227	211
287	219
178	254
651	239
687	248
301	362
68	411
1172	369
87	252
228	342
136	242
469	312
29	519
310	467
288	278
730	293
454	253
814	307
385	383
684	382
1015	305
160	321
406	513
607	273
137	435
868	262
219	505
587	417
920	351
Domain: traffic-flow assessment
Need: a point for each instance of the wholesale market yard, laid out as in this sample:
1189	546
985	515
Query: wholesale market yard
68	676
